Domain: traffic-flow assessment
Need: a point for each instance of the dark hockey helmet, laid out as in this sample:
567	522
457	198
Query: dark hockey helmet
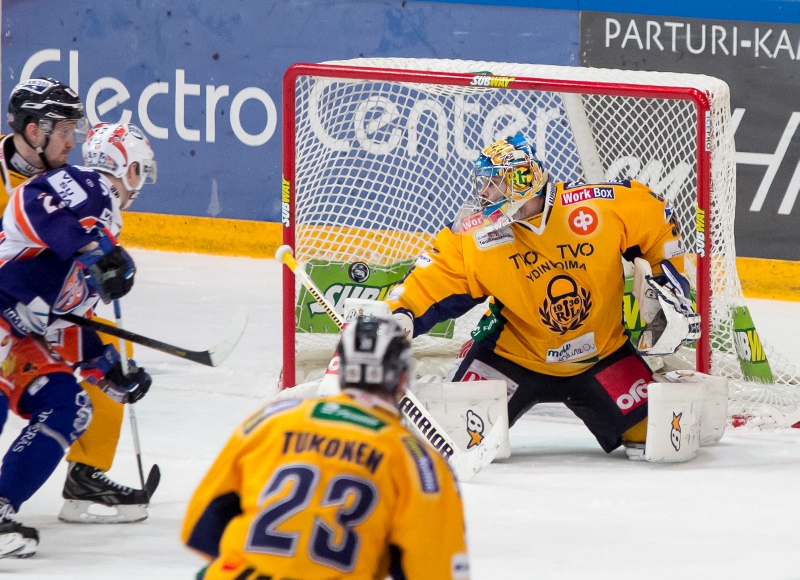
44	101
374	354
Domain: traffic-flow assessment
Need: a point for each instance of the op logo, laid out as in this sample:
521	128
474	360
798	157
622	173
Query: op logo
583	221
567	305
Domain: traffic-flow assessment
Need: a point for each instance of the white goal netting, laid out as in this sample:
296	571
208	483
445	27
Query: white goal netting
377	156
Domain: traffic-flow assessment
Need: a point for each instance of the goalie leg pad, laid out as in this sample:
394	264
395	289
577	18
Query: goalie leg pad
673	422
468	411
714	415
301	391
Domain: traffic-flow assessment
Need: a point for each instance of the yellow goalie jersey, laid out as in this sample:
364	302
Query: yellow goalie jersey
328	488
555	280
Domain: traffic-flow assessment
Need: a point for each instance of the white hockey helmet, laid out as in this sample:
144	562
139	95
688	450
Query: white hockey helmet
113	147
374	354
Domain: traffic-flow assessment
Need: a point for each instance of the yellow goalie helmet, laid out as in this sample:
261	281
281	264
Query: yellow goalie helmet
506	175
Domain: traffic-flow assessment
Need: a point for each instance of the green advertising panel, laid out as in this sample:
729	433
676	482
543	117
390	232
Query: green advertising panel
341	280
752	357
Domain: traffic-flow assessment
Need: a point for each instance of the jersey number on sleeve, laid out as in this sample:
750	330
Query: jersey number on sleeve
303	479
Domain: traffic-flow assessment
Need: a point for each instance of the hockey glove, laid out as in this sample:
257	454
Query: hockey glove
666	309
106	373
109	268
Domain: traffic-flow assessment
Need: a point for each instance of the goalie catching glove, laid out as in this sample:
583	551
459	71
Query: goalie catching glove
106	373
666	309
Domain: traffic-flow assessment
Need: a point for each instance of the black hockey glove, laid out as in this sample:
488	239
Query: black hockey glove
106	373
109	269
126	388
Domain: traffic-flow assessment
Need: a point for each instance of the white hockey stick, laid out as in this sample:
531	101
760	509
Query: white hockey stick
465	464
211	357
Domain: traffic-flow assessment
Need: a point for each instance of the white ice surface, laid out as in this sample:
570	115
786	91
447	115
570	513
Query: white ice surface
558	508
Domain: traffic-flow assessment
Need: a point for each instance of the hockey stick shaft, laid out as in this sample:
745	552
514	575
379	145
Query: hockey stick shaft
465	464
123	360
211	357
284	254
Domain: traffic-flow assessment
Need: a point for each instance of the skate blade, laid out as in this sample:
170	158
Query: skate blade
86	512
17	546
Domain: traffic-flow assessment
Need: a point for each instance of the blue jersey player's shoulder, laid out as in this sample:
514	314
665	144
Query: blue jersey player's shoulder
76	186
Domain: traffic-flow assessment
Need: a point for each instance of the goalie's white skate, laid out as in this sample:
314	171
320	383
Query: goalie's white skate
92	498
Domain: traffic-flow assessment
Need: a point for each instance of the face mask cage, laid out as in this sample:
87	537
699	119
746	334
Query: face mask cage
500	191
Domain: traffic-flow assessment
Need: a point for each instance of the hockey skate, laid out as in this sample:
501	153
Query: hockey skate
92	498
16	540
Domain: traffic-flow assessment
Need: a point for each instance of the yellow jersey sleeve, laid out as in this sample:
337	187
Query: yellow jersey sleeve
11	179
651	228
439	286
217	499
428	531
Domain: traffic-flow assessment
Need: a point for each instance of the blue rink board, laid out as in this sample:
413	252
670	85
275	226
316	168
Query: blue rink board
184	54
781	11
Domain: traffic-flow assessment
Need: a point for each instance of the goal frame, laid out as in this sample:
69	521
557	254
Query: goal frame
704	134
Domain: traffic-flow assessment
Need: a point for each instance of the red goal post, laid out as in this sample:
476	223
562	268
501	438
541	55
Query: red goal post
377	153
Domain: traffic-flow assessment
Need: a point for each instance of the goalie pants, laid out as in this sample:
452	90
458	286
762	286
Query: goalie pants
610	398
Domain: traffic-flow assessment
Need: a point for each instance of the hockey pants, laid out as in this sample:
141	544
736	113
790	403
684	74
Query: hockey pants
60	411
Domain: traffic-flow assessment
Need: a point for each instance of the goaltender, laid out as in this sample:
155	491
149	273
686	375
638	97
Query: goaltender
333	487
548	254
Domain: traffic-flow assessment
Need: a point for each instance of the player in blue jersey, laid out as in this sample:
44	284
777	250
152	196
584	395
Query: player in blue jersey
59	255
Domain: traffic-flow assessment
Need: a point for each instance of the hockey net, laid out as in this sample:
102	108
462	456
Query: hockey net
377	158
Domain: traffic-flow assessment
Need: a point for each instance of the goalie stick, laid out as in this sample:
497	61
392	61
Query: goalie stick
465	464
154	477
211	357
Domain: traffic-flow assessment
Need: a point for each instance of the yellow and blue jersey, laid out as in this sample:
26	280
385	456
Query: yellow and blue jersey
328	488
555	280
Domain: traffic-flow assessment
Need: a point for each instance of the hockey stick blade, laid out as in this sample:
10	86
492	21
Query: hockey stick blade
153	479
230	339
211	357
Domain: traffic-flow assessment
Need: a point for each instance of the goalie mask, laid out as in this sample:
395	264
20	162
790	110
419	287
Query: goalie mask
506	175
114	147
374	355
